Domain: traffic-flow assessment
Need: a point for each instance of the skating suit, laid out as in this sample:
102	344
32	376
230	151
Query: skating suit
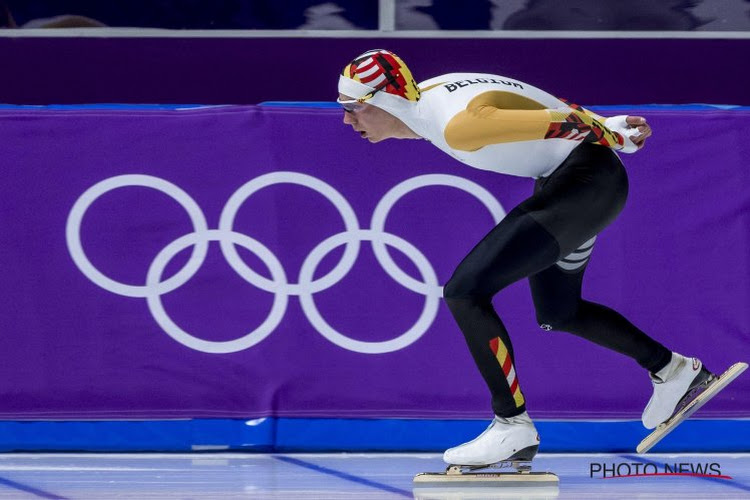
496	123
500	124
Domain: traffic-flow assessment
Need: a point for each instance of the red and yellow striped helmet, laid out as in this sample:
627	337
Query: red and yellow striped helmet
381	70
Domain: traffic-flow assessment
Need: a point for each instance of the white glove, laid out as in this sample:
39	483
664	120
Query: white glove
619	125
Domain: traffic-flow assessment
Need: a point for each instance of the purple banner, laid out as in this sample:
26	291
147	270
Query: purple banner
248	262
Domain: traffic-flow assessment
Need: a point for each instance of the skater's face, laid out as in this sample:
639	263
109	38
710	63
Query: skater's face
371	122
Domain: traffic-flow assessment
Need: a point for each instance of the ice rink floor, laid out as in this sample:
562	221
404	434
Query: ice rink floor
356	476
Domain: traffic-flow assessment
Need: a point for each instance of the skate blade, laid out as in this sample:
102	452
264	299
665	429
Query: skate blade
712	390
480	492
458	476
486	480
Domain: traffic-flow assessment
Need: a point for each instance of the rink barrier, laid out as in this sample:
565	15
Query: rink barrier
354	435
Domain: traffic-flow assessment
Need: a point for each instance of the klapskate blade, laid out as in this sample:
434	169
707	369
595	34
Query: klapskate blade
721	382
485	493
486	480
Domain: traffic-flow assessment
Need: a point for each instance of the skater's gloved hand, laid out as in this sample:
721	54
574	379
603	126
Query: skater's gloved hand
644	130
634	129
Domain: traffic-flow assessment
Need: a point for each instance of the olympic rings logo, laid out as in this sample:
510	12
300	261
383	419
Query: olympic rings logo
278	285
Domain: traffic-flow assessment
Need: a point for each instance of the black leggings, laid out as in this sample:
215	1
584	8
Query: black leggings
547	238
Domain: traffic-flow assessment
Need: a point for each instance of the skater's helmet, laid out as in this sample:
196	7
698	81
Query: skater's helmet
379	77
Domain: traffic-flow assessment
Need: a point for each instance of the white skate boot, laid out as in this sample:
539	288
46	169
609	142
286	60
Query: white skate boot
506	439
674	386
704	386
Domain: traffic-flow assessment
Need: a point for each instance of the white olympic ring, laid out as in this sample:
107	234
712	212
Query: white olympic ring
278	284
411	335
174	331
243	193
395	194
73	233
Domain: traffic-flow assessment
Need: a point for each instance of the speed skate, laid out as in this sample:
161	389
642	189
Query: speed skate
693	401
471	476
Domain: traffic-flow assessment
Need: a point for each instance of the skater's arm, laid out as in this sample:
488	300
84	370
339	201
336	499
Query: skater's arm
482	123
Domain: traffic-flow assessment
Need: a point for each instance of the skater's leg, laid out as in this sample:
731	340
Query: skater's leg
517	247
600	185
557	298
559	306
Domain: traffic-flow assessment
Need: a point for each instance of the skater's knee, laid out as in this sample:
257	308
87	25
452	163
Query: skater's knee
562	320
461	286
